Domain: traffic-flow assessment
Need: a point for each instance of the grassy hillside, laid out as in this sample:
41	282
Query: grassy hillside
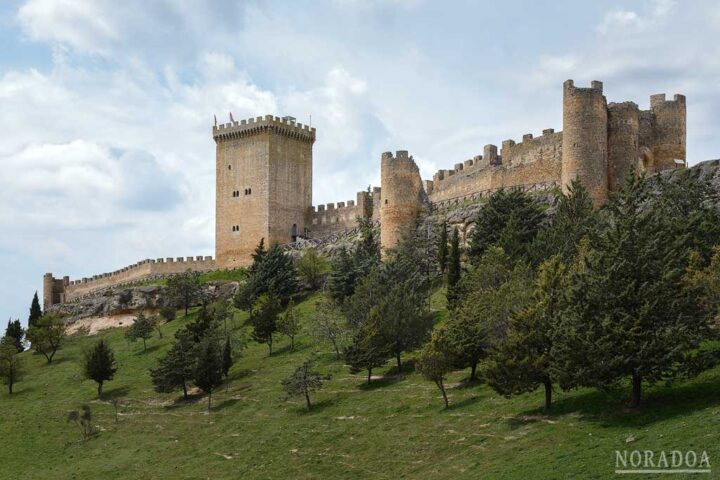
393	428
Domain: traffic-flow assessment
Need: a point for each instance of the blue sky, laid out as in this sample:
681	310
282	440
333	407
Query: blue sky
106	106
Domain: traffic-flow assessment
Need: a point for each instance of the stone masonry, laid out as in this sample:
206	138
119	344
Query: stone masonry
264	178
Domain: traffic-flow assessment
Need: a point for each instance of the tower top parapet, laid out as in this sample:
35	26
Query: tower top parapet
286	126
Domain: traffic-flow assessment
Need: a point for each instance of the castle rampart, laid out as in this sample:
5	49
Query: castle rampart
402	198
66	290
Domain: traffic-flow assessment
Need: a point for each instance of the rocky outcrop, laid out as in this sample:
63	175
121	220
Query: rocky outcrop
116	301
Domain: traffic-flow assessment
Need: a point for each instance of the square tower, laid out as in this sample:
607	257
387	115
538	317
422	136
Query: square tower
263	182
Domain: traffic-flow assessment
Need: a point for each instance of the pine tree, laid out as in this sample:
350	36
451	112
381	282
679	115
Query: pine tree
521	362
497	212
435	362
442	248
209	367
453	267
629	313
367	350
184	289
289	324
258	255
312	268
204	324
227	361
343	276
264	319
100	364
327	325
273	271
177	367
303	381
11	367
15	331
35	311
142	328
168	313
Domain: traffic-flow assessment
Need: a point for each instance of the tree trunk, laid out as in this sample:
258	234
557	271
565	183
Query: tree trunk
548	393
185	391
292	343
144	346
307	401
399	363
10	385
441	386
369	375
337	350
209	400
186	308
473	371
227	384
100	389
636	389
270	346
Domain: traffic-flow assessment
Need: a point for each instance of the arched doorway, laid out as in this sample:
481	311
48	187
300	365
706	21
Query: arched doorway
293	232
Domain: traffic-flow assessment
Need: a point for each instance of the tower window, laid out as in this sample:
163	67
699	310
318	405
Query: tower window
248	191
236	228
229	167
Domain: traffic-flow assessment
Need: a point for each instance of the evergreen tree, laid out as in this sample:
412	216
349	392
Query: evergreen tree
184	289
367	351
629	313
366	296
15	331
264	319
35	311
10	363
303	381
227	361
312	268
209	367
453	266
168	313
47	335
204	325
289	324
272	272
177	367
442	248
492	219
435	362
258	255
573	220
521	362
343	276
100	364
142	328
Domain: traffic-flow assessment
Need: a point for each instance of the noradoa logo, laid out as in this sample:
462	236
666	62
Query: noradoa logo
651	462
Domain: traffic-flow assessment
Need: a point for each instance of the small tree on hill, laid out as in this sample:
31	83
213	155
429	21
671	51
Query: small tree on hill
35	311
435	362
312	268
176	368
47	335
227	361
168	313
343	276
289	323
522	361
264	319
100	364
209	367
142	328
367	350
303	381
203	325
327	325
10	363
15	331
83	419
184	289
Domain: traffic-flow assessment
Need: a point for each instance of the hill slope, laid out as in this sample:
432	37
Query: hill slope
393	428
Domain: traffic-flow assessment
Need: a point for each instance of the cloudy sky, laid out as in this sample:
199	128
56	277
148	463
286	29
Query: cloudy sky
106	106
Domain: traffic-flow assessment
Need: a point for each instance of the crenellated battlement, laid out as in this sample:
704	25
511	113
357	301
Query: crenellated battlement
286	126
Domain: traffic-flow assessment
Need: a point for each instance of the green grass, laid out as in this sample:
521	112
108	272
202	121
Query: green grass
393	428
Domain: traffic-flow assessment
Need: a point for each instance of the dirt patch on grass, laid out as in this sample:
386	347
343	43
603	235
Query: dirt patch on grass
93	325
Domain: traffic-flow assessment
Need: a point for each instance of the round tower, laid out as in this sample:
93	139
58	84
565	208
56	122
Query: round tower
584	146
669	131
623	134
402	193
48	290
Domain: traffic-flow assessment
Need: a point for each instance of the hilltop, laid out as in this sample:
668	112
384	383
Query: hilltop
393	428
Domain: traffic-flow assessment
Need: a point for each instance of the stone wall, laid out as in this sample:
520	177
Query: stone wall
402	196
335	218
66	290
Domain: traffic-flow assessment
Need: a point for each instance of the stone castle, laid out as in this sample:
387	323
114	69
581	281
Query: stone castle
264	179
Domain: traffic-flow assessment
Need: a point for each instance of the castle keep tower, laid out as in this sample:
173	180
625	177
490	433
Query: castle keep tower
402	196
584	144
263	185
669	131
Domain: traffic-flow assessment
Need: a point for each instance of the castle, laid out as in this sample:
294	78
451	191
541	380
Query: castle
264	179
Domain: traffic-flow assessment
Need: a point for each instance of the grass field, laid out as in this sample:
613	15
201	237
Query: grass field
393	428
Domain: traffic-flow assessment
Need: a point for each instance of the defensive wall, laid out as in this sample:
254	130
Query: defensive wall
334	218
61	290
